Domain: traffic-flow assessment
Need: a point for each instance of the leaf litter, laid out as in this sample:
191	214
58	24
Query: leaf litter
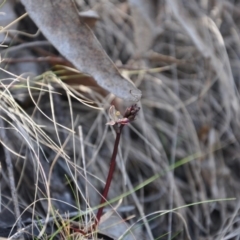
188	124
60	23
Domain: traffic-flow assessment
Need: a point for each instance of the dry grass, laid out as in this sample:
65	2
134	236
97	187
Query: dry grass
185	142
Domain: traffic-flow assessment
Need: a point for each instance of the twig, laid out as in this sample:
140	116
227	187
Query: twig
26	45
50	59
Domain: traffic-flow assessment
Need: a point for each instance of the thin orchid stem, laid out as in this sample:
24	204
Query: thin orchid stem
110	174
129	116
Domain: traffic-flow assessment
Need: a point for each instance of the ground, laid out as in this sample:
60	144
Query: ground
178	162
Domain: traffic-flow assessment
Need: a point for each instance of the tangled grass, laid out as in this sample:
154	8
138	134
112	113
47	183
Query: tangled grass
178	163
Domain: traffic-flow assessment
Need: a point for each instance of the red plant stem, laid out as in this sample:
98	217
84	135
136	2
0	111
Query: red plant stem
110	174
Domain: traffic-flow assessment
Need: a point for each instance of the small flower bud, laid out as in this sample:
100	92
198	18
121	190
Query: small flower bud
129	116
131	112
